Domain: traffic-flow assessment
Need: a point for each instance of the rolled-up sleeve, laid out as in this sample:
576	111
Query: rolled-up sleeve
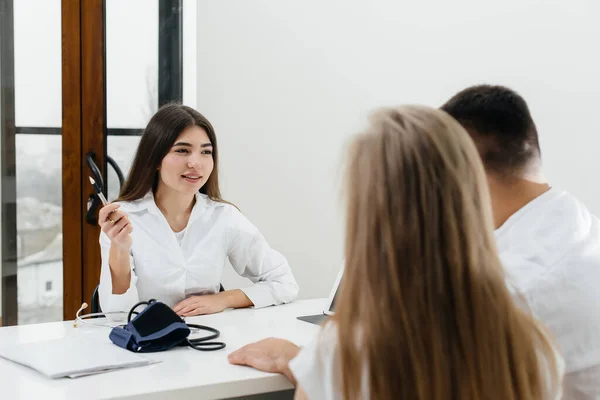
253	258
110	302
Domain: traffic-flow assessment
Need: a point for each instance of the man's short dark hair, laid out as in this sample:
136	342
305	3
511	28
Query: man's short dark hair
498	120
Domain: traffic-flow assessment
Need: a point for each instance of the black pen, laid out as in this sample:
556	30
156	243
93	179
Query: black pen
98	190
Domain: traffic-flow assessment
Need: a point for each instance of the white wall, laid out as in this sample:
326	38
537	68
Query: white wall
286	83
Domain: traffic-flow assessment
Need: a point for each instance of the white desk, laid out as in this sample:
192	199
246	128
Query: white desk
184	373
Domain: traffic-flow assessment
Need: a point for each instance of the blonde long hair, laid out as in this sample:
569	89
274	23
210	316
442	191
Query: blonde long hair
424	310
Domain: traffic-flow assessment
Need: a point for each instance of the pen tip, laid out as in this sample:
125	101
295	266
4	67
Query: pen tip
92	181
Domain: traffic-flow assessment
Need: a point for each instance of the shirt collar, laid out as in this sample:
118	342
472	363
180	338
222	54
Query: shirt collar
147	203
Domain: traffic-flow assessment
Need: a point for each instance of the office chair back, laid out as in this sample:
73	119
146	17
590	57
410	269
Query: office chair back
95	302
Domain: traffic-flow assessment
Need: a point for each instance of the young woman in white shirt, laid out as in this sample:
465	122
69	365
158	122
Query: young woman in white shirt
424	312
169	233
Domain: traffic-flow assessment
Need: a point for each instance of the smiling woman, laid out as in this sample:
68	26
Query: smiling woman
175	135
169	233
184	171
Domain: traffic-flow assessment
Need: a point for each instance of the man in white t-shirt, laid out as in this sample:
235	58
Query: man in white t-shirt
548	241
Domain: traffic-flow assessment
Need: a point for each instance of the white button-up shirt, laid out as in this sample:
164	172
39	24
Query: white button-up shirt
551	251
317	369
164	270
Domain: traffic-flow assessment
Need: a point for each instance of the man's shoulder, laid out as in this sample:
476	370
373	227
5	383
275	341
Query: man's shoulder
554	262
549	233
555	257
565	298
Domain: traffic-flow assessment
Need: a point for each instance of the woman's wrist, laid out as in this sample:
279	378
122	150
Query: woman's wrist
235	298
119	251
120	269
290	352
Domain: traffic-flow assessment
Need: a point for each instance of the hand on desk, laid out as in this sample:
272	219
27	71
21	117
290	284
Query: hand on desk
268	355
201	304
212	303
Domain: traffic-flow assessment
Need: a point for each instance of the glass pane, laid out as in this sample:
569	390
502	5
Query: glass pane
39	228
131	62
32	185
121	149
38	84
190	40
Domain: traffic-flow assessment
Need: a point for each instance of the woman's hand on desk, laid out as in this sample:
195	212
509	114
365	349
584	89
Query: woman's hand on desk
202	304
269	355
212	303
115	223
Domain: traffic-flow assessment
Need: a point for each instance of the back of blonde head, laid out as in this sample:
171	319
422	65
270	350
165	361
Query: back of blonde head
424	310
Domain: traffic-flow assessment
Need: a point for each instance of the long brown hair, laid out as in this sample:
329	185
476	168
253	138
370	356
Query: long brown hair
424	309
157	139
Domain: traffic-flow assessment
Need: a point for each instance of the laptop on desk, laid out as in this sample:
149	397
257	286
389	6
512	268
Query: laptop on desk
319	318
